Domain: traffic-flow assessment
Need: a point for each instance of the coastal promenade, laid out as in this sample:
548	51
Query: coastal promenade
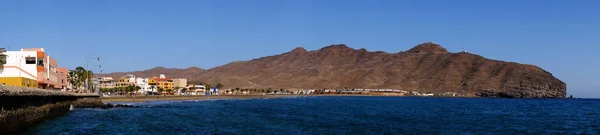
23	107
203	97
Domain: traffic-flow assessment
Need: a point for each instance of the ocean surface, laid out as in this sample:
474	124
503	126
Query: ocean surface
336	115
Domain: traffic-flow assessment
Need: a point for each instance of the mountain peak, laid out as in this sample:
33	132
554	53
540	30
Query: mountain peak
337	47
194	68
428	47
158	68
298	50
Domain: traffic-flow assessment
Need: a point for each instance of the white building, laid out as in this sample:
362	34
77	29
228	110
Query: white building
196	89
143	84
30	67
21	65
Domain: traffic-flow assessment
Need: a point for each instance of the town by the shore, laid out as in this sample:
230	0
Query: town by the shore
202	97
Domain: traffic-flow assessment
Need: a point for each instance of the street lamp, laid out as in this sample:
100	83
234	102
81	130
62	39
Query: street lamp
87	75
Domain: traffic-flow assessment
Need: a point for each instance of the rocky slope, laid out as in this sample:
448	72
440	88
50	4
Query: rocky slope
427	67
155	72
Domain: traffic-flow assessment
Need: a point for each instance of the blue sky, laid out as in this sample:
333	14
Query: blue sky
131	35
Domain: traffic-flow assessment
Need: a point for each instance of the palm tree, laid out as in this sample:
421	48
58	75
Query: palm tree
169	91
219	85
89	76
160	90
184	90
82	76
208	87
2	59
177	88
130	88
73	79
152	88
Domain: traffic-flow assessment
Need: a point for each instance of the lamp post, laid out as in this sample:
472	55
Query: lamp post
87	75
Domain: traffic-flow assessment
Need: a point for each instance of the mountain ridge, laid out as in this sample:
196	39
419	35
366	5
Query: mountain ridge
427	67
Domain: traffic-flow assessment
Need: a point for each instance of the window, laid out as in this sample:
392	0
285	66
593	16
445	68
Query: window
29	60
40	62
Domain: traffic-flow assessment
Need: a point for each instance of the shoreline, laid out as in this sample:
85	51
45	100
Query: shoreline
204	97
118	99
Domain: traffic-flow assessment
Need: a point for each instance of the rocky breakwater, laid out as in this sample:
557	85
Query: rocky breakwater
24	107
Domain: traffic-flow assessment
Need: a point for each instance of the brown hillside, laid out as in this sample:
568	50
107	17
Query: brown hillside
427	67
169	72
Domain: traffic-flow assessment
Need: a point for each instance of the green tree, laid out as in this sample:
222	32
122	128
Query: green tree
169	91
81	74
269	90
184	90
208	87
89	75
73	79
2	59
103	90
130	88
219	85
123	89
160	90
152	88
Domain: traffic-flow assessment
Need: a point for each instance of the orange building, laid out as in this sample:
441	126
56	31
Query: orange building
162	82
63	77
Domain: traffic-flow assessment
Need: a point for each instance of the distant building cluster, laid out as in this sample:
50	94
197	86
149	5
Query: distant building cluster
151	86
34	68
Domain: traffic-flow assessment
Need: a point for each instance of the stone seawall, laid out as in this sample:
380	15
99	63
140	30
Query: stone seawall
21	108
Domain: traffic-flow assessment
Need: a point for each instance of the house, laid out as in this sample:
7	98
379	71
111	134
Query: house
179	84
143	84
196	89
107	82
125	81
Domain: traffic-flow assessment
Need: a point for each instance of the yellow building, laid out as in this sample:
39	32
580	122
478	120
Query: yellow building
125	81
30	67
19	81
164	83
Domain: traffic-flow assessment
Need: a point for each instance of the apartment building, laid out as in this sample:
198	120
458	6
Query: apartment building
31	67
63	78
196	89
107	82
161	82
143	84
128	80
180	82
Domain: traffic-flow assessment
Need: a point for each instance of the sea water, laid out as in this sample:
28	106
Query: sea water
336	115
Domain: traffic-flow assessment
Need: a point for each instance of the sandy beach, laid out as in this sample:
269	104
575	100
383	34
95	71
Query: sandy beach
202	97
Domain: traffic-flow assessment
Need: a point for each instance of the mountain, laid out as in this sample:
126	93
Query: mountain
427	67
169	72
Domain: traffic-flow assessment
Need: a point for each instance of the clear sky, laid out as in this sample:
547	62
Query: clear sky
130	35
